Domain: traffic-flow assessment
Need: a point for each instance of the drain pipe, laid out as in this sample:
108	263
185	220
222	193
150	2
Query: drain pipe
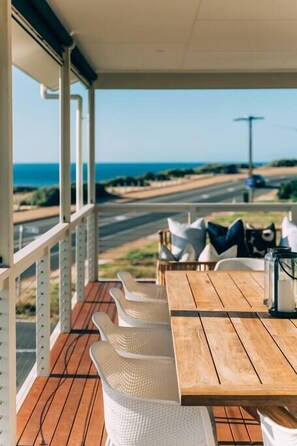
79	162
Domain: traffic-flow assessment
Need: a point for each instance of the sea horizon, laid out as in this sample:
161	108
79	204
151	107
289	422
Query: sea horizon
47	174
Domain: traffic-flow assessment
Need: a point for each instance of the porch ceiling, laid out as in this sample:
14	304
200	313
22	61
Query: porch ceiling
189	36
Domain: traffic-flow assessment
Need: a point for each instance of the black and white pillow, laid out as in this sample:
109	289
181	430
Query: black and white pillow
222	237
259	240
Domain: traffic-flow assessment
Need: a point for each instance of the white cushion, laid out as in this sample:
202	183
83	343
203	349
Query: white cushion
289	234
188	254
209	254
166	254
183	234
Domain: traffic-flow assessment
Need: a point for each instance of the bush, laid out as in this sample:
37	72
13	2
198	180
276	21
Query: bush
288	191
46	196
50	196
22	189
284	163
217	168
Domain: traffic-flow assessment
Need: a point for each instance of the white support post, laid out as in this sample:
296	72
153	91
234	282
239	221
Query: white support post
80	230
65	284
92	222
293	214
80	262
65	212
79	159
43	331
7	292
92	248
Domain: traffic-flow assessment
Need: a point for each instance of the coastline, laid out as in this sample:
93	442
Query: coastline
25	216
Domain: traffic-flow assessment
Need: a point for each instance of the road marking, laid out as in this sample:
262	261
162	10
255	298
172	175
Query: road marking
204	196
26	350
121	218
231	189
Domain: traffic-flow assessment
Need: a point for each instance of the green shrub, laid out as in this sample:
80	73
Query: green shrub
217	168
22	189
284	163
50	196
288	191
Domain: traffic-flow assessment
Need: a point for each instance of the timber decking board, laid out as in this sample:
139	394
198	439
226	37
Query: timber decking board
74	416
193	291
253	360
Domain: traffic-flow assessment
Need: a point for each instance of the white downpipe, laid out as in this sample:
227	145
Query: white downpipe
92	223
79	161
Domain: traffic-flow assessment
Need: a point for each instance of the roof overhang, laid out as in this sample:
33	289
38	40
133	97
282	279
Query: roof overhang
191	81
171	44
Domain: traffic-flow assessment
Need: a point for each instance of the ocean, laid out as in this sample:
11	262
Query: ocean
39	175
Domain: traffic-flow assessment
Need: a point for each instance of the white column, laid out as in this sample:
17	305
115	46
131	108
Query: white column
91	152
65	245
79	160
7	293
43	331
80	229
92	222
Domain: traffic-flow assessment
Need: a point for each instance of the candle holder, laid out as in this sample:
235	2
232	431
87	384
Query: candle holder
281	283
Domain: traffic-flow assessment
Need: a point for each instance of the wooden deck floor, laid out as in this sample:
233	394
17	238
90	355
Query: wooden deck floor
65	409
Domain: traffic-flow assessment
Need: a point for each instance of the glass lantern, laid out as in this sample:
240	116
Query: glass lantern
280	282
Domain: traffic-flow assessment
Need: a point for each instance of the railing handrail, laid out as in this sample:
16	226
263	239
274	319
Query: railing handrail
195	207
28	255
4	274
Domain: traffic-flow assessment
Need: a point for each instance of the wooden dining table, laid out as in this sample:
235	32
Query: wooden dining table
228	349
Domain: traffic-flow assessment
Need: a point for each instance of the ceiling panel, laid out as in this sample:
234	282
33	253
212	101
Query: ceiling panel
248	61
257	36
183	35
248	10
129	21
137	57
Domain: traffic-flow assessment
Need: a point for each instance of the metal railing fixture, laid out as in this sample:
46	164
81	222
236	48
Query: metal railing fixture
193	209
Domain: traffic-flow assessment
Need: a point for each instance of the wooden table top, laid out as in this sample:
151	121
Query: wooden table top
237	357
192	291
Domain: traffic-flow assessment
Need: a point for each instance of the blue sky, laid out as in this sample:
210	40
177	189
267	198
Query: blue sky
152	126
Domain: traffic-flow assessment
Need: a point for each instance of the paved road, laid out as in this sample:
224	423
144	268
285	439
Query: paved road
122	227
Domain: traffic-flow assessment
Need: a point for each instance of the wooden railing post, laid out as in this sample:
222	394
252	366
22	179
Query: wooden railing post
43	315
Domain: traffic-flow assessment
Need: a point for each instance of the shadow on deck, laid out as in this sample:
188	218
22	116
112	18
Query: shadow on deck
65	409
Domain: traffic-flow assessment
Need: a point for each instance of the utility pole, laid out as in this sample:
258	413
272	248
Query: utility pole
249	120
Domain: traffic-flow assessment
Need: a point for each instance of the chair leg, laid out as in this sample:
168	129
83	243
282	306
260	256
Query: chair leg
109	442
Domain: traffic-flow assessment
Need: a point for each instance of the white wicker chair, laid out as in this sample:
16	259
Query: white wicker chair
141	405
276	435
241	263
140	314
134	341
141	291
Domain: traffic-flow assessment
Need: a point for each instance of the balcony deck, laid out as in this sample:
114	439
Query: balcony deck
65	409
